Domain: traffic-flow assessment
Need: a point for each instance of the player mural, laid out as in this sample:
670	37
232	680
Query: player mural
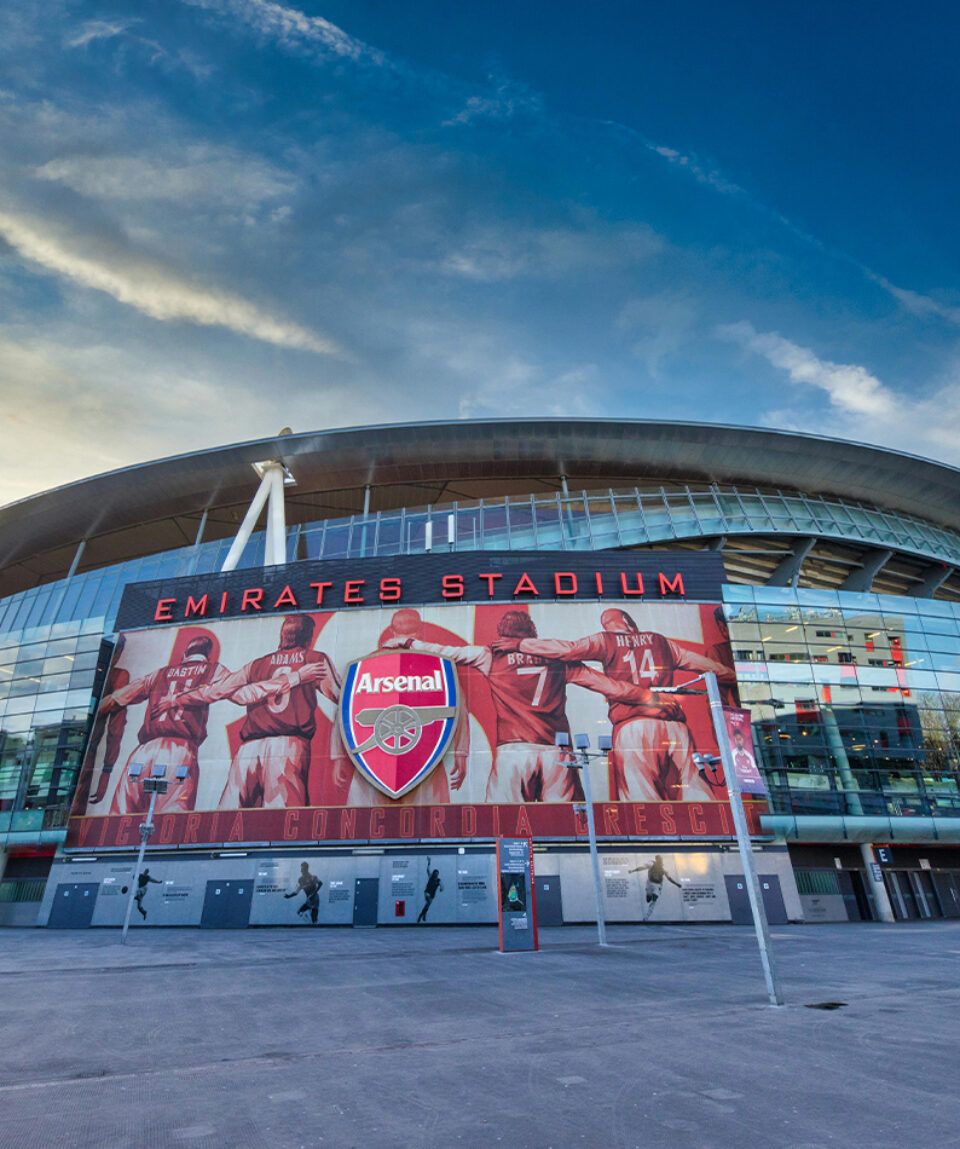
429	720
308	885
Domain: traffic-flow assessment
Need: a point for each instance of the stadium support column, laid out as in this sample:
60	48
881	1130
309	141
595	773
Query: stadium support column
273	478
881	899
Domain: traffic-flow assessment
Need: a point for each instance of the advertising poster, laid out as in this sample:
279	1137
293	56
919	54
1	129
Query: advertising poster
413	722
740	733
518	909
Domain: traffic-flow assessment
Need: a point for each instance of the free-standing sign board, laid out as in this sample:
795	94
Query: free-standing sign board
518	906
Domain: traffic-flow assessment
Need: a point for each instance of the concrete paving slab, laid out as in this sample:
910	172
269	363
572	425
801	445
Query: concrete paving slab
405	1037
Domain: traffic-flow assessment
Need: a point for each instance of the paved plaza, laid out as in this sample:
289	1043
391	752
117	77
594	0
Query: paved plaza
399	1037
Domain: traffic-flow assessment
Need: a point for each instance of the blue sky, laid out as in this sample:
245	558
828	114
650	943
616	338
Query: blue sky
220	217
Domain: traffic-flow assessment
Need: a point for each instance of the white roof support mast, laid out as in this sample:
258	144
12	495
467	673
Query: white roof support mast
274	476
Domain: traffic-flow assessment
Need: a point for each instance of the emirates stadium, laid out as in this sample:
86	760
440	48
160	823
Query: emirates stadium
449	633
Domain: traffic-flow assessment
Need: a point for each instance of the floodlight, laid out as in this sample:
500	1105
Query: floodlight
135	770
581	741
604	742
561	738
149	785
182	773
159	771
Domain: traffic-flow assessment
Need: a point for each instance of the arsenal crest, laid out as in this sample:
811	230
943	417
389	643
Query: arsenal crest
398	712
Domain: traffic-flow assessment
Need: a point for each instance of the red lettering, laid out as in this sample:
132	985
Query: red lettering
671	587
496	821
163	610
223	601
85	830
639	819
318	829
525	586
376	822
291	829
453	586
320	587
724	822
190	830
214	823
104	824
598	579
168	825
611	821
629	590
490	579
348	823
253	596
351	590
667	824
287	598
580	820
571	589
390	589
122	827
196	606
697	824
406	822
523	829
236	830
436	822
468	821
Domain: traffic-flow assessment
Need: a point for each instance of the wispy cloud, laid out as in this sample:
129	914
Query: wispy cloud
497	254
192	175
149	287
98	30
506	99
850	387
293	28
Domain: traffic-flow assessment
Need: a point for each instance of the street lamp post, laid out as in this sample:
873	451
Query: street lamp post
154	785
751	878
582	742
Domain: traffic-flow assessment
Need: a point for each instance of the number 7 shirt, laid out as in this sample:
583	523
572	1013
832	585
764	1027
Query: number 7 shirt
530	690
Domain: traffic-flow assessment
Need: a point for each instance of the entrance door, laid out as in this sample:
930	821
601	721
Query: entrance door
856	898
947	885
924	894
73	905
549	904
365	895
226	905
740	900
901	895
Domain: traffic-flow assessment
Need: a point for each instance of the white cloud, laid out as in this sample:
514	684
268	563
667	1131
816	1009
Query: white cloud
192	175
864	408
151	288
98	30
499	254
920	305
850	387
506	100
291	27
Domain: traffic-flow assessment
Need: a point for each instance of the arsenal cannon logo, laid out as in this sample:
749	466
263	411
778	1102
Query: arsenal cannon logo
398	712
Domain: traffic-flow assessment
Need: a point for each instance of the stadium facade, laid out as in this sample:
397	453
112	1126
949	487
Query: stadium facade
837	566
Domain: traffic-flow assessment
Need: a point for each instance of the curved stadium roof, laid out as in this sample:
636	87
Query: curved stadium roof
155	506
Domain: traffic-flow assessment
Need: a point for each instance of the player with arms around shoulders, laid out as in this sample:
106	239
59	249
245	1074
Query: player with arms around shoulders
652	754
529	693
279	691
171	732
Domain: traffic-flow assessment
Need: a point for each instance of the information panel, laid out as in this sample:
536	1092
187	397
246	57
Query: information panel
518	906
